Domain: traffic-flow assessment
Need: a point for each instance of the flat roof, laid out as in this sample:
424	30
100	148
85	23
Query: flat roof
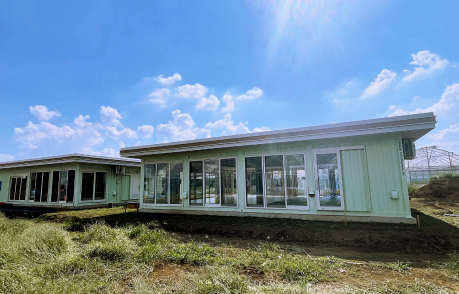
412	126
70	158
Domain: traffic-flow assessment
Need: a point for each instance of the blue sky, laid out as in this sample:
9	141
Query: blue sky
94	76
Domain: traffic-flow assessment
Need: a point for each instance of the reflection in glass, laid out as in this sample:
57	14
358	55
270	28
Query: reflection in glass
63	187
162	185
295	176
254	181
329	189
70	185
22	195
13	188
274	174
45	187
55	187
212	180
87	186
149	183
229	188
100	186
196	182
176	182
33	186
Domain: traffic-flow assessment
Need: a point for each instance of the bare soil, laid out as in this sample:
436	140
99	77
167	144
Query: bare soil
442	189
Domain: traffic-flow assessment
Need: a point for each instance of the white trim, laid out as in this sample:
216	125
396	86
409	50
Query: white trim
94	200
41	189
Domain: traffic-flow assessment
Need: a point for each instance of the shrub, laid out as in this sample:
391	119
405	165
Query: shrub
446	175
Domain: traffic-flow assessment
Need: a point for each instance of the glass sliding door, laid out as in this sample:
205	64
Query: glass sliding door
71	186
99	188
149	183
254	181
55	186
328	177
39	187
228	182
87	187
162	183
176	182
274	178
295	177
196	183
212	181
63	187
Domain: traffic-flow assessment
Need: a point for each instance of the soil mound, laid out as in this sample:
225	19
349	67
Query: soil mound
444	189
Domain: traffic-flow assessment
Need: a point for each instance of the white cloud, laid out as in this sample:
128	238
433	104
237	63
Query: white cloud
6	157
109	152
210	103
228	124
384	79
159	96
180	128
228	99
122	144
145	131
170	80
261	129
448	105
137	144
426	63
452	130
191	91
42	112
110	116
251	94
81	136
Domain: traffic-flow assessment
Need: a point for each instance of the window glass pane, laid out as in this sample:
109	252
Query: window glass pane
196	182
87	187
45	187
229	188
100	186
33	181
63	186
212	180
70	186
274	173
17	189
254	181
22	196
329	190
38	187
295	175
176	182
162	183
55	187
12	188
149	184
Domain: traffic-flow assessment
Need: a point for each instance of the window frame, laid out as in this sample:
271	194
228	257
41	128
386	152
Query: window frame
93	187
50	177
169	163
336	150
20	176
265	203
219	183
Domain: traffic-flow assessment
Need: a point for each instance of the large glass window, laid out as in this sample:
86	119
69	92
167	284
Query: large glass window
254	181
274	177
212	180
149	183
100	186
228	182
163	183
39	183
276	181
295	177
176	182
329	180
93	186
18	187
196	183
63	186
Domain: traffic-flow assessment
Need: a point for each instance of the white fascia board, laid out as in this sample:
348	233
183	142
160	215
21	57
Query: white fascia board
302	134
71	158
